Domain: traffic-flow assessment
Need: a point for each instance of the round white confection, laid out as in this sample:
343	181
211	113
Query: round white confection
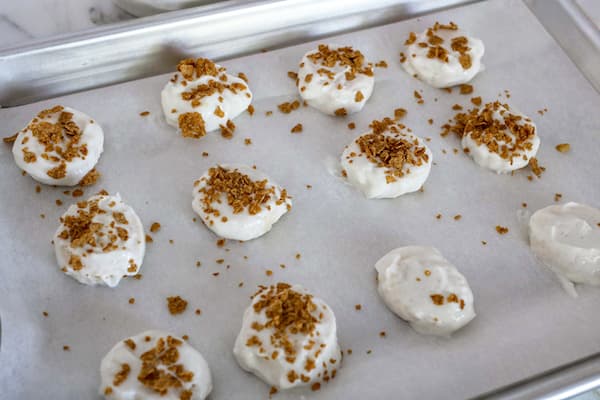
566	238
372	180
240	226
129	352
91	143
436	72
321	349
517	157
115	247
231	102
327	88
419	285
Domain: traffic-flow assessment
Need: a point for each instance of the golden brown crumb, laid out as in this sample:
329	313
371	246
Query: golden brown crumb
457	217
466	89
358	307
536	168
315	386
45	313
155	227
524	205
381	64
250	109
149	239
176	305
382	334
77	193
557	197
288	107
297	128
66	348
439	216
131	300
476	100
204	154
501	229
144	113
192	125
38	188
292	75
11	139
351	125
42	216
268	113
198	311
243	77
419	97
90	178
298	255
563	147
340	112
268	272
227	129
108	391
399	113
221	242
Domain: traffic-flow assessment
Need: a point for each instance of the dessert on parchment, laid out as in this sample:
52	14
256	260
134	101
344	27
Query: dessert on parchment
566	238
239	202
497	137
154	365
100	240
336	80
202	97
442	56
288	338
423	288
387	161
60	146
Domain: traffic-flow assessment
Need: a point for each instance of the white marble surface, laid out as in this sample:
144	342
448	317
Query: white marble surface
24	20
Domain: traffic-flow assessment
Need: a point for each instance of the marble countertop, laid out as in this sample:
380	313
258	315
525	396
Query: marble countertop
24	20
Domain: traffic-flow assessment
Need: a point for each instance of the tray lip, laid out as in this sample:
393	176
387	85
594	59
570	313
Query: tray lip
580	382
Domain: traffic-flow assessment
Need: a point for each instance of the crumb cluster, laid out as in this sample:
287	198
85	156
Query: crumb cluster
435	48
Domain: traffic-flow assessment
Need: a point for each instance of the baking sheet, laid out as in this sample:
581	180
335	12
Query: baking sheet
525	324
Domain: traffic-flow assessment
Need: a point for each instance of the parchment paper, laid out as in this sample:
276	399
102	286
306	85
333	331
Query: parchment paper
526	323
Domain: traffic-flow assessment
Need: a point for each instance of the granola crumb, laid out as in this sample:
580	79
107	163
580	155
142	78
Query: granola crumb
155	227
269	272
557	197
298	255
176	305
438	216
45	313
198	311
77	193
563	147
247	141
457	217
131	300
149	239
221	242
399	113
466	89
204	154
66	348
351	125
90	178
144	113
38	188
297	128
501	229
483	242
250	110
358	307
288	107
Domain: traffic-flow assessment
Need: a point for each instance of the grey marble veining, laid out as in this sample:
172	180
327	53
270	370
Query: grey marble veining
24	20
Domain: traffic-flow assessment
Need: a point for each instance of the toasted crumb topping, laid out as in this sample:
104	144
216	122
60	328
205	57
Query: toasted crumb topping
508	135
288	107
288	313
439	300
90	178
192	69
399	113
144	113
563	147
435	48
242	193
81	230
354	60
386	147
61	140
161	371
466	89
176	305
296	129
192	125
501	229
155	227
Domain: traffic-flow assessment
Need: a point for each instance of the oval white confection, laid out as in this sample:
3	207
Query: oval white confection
290	359
566	238
79	138
335	89
422	58
377	179
511	148
99	241
420	286
238	224
154	365
214	94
